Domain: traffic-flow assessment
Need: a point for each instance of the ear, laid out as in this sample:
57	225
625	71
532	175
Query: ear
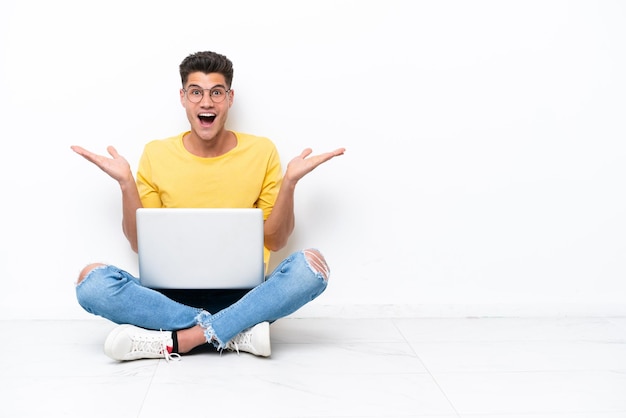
231	97
182	97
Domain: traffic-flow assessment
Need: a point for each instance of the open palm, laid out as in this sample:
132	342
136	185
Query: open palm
116	167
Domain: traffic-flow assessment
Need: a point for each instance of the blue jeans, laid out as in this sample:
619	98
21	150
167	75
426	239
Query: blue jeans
112	293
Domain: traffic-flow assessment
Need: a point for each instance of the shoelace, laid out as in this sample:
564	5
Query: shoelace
170	356
153	345
244	338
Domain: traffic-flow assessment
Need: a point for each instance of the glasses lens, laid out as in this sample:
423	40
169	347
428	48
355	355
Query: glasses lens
218	94
195	94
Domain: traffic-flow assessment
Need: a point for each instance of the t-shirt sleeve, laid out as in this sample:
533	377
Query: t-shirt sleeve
148	192
271	183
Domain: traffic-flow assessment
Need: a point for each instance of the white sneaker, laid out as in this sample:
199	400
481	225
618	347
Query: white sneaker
254	340
128	342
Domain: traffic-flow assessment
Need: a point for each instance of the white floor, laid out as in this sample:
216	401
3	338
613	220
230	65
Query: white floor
479	368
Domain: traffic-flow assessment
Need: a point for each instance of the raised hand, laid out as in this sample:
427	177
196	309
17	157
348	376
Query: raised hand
116	167
305	163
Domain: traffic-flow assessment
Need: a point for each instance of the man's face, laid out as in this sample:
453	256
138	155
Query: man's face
208	116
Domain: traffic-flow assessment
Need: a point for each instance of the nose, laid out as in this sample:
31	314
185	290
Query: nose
206	99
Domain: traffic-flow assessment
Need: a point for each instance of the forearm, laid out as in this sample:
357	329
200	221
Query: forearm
130	203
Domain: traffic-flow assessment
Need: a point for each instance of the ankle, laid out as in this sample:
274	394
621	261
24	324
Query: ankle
190	338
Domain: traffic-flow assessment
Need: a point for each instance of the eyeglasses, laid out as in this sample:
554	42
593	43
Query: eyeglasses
195	94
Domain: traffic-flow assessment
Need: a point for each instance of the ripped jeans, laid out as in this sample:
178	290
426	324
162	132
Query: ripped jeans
114	294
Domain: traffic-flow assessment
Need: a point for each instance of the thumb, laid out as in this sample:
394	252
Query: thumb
112	151
306	152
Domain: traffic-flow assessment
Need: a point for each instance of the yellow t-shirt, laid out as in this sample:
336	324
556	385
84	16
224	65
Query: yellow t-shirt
248	176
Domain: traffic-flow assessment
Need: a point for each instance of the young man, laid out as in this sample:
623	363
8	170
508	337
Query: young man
207	166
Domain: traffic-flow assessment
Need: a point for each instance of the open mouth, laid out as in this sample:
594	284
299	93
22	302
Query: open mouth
206	118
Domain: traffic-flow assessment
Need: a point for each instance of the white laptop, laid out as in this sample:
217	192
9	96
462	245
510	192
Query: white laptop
200	248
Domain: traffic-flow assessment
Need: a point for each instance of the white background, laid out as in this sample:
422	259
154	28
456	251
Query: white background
484	171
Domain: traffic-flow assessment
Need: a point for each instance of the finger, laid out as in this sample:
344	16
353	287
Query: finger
83	152
112	151
331	154
322	158
306	152
78	150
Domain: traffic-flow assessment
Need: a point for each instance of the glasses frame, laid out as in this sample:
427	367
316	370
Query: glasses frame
195	87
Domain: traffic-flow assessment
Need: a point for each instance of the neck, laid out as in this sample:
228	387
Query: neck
208	148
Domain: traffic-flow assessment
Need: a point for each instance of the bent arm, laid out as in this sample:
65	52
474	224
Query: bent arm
281	222
118	168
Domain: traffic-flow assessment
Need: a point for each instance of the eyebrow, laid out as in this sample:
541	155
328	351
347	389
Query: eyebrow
208	88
